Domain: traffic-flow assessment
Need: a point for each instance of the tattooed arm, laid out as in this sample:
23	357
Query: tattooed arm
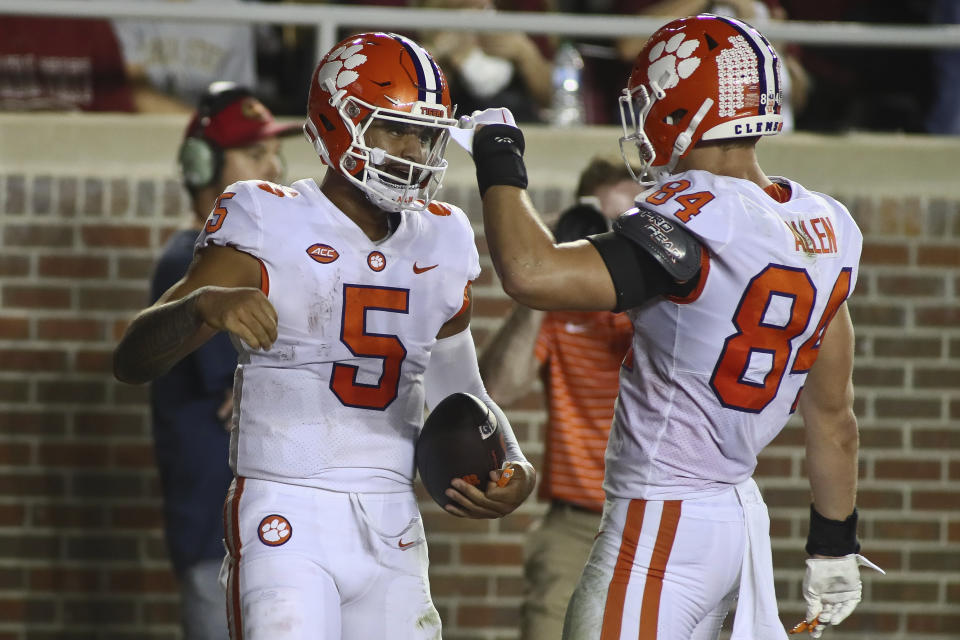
220	292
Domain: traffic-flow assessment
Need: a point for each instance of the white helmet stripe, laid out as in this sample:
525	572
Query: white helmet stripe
770	79
428	78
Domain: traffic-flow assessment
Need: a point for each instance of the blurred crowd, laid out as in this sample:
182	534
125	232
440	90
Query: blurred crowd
154	66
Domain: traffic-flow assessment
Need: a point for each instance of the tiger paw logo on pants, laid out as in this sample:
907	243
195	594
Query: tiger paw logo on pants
340	64
275	530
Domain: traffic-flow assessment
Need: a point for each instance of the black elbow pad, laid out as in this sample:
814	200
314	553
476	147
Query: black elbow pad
670	244
648	256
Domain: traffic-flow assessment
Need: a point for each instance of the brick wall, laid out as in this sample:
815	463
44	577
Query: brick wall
81	549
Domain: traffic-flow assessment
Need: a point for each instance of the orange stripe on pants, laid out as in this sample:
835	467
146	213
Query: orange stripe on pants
650	608
617	591
231	526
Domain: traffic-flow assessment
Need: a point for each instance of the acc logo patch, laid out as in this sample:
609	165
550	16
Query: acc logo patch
376	261
275	530
322	253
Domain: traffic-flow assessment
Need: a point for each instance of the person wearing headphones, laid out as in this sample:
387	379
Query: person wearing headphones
231	136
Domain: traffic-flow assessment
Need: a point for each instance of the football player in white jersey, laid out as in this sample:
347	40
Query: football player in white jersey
349	304
736	284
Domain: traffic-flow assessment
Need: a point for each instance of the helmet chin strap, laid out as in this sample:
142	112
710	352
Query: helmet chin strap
682	142
313	137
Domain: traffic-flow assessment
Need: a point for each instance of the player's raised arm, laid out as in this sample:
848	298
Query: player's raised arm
220	292
610	271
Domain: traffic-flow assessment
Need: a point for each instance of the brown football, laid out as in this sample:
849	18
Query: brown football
461	438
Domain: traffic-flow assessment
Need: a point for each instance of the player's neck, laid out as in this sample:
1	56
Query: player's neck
372	220
737	162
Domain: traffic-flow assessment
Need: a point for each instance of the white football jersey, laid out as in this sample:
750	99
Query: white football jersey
713	378
337	401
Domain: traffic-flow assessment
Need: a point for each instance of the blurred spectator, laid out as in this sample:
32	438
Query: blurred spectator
577	355
853	88
65	64
484	69
230	137
172	63
944	116
287	56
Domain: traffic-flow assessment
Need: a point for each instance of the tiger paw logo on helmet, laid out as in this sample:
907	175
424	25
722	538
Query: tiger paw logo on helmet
670	60
702	77
364	83
340	66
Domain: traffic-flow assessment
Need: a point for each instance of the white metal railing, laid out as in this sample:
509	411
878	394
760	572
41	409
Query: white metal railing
328	19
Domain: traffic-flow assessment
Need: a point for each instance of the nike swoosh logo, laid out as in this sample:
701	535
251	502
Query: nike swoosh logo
417	269
404	545
575	328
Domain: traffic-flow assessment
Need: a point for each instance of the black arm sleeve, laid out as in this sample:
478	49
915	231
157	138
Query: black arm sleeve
649	256
636	276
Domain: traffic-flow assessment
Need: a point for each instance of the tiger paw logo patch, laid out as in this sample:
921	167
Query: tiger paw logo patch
671	61
376	261
340	66
275	530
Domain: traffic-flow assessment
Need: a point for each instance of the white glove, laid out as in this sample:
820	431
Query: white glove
468	124
832	589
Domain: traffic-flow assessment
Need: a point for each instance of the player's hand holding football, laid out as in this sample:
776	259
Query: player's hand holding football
506	490
243	311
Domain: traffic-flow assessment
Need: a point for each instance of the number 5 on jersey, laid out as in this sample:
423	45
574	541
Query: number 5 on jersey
358	300
219	213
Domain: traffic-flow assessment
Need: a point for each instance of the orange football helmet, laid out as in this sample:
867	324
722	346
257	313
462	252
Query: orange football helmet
386	77
704	77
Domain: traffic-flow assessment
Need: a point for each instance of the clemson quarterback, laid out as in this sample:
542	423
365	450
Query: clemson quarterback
349	303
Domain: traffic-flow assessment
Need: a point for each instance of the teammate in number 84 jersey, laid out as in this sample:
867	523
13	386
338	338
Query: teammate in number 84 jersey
738	347
736	285
341	390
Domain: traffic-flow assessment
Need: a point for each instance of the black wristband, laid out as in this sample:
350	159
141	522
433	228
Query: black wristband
832	537
498	154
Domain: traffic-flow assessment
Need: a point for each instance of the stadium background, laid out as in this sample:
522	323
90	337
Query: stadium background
88	201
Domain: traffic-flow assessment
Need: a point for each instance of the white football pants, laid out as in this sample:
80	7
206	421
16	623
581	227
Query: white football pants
671	570
309	564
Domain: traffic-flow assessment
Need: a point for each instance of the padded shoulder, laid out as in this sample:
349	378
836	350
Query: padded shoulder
272	188
668	242
235	219
441	209
452	224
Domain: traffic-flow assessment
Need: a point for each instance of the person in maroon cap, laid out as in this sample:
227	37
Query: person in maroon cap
231	137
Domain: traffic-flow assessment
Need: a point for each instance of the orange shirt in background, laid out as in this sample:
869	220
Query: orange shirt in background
580	353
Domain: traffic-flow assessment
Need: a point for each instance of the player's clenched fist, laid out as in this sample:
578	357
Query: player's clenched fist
243	311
